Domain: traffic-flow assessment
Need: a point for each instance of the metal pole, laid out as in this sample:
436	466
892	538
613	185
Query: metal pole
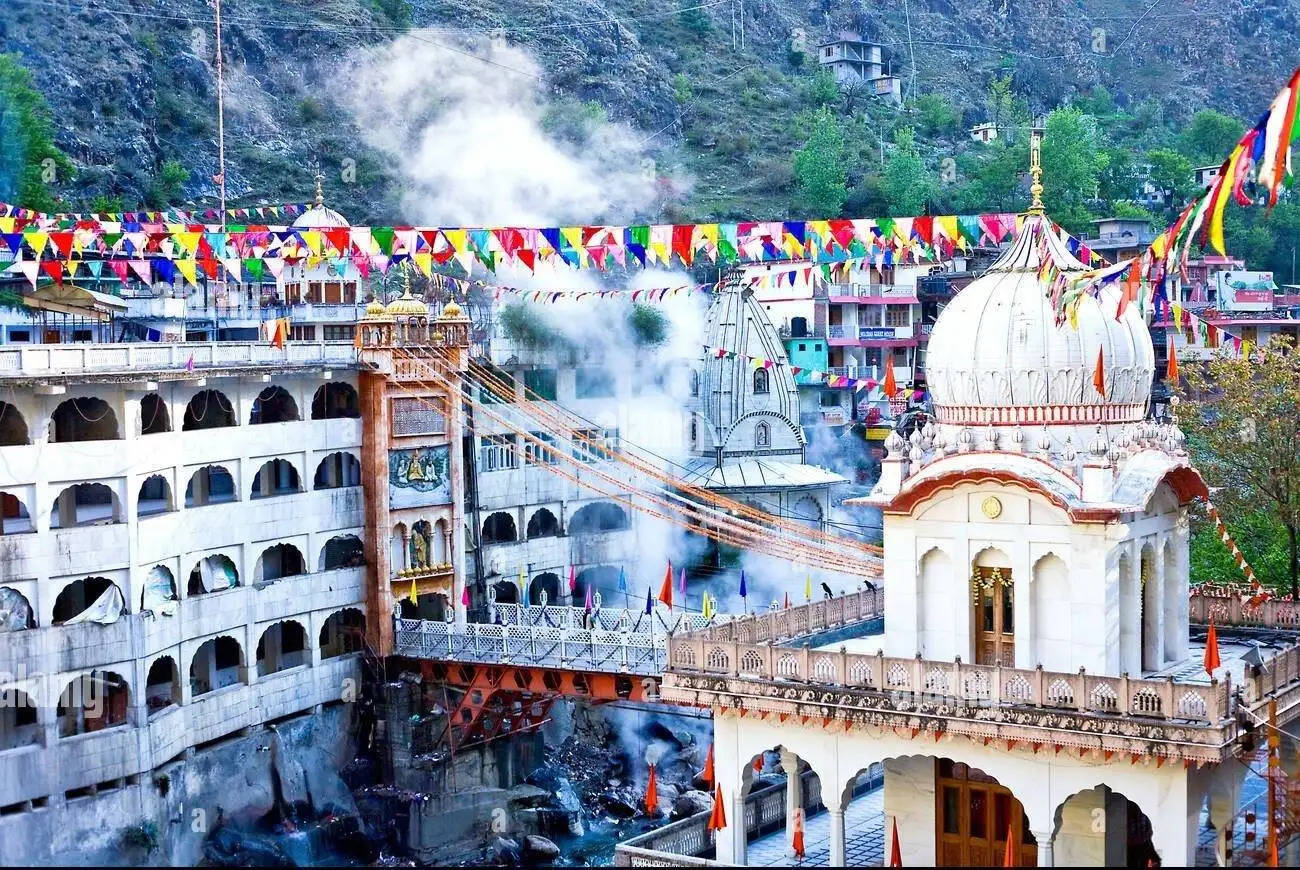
221	121
1274	741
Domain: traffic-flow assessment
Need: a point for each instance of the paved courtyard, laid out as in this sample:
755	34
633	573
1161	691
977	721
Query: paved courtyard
864	837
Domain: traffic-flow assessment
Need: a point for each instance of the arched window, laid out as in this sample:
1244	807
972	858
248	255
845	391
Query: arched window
762	435
216	664
85	504
212	574
211	484
162	687
18	725
798	327
281	560
16	612
93	702
13	428
543	524
84	418
499	528
334	400
506	592
273	405
282	646
14	518
155	496
209	409
344	632
153	415
337	470
159	588
342	551
600	516
760	381
548	583
79	596
808	512
275	477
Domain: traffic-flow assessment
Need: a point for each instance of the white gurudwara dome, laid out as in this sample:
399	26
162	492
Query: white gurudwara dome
319	215
998	357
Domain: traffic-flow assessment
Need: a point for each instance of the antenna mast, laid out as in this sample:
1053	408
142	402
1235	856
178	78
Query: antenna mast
221	121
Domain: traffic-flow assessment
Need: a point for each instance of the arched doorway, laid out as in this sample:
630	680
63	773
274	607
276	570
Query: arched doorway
1100	827
993	609
974	816
548	583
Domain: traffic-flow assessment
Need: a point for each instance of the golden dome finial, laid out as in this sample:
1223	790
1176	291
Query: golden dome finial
1036	173
320	190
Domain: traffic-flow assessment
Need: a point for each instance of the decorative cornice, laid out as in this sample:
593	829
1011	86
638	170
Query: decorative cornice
1039	415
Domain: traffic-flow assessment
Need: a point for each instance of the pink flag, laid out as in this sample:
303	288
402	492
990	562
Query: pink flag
587	604
464	597
681	582
573	581
189	364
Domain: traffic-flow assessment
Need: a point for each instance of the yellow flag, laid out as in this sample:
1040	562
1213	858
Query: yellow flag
424	262
71	267
1221	201
412	596
1177	310
807	586
189	268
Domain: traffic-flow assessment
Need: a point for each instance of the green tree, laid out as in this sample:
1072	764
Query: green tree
31	165
695	20
907	186
936	115
1097	102
165	189
1242	432
996	181
821	89
1171	172
1119	180
1209	137
819	169
1072	165
1259	536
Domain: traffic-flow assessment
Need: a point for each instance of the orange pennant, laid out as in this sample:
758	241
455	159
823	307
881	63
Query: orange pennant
1099	374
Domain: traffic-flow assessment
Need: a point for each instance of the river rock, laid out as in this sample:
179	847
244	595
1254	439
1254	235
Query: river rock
691	802
506	851
526	796
537	847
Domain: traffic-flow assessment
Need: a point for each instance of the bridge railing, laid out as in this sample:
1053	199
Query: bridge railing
633	620
1230	605
546	646
801	621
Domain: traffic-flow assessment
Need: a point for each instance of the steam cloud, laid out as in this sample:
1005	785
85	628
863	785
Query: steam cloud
465	134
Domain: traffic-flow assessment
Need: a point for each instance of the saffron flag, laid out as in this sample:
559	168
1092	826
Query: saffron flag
717	818
895	851
796	841
666	589
1009	855
707	773
890	386
758	763
1211	650
1099	375
652	794
1171	369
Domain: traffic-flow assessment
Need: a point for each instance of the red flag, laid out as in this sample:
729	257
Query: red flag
1099	375
1009	856
1171	369
787	600
718	818
652	794
758	763
797	841
666	590
890	385
277	334
1211	649
895	851
707	773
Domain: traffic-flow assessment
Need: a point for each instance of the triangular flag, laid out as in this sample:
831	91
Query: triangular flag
895	850
1009	856
1099	374
743	591
681	583
717	818
587	602
707	773
1211	650
796	842
787	599
649	602
652	794
890	385
413	595
807	586
666	588
573	581
622	580
1171	368
464	596
758	763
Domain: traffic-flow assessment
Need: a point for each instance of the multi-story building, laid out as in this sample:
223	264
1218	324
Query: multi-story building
182	556
853	59
1119	239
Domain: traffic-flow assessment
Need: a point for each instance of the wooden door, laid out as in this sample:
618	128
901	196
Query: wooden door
993	597
973	815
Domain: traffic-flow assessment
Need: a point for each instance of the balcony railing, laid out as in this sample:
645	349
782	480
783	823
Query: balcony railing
54	359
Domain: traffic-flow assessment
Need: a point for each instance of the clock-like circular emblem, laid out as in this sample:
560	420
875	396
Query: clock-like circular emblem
992	507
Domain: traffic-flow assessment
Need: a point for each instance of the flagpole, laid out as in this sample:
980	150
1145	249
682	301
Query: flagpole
221	121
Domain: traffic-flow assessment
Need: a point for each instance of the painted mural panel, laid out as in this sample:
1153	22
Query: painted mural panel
419	476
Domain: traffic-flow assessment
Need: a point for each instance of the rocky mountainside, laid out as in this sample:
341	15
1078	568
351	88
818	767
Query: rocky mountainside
657	103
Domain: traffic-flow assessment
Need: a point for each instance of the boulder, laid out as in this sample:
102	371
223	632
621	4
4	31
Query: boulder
505	851
691	802
538	848
528	796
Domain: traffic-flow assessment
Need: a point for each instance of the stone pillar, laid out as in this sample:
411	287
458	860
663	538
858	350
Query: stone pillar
1044	839
793	796
739	836
837	838
373	388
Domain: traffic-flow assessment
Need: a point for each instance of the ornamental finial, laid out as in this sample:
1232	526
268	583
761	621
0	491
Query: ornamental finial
1036	173
320	190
